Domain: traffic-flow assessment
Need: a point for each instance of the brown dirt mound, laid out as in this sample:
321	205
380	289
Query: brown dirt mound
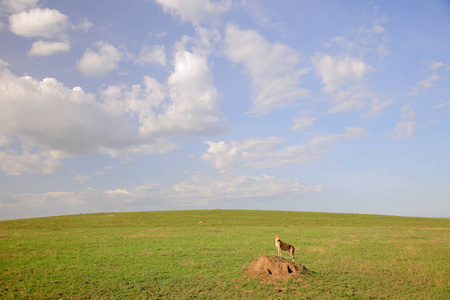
275	268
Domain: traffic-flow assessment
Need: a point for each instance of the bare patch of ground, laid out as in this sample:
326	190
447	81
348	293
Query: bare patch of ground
273	268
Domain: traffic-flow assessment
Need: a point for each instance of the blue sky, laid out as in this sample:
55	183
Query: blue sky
333	106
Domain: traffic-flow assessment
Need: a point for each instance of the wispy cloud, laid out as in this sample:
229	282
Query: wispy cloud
194	192
273	69
406	127
265	153
303	122
243	187
16	6
85	25
444	104
81	178
196	12
377	106
154	55
436	65
425	84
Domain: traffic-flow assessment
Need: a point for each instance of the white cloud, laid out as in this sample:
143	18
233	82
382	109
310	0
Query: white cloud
343	80
406	127
349	99
154	55
377	106
56	203
262	17
41	48
222	156
192	106
363	41
196	11
84	178
51	116
185	105
15	6
81	178
265	153
197	191
271	67
85	25
44	202
302	123
442	105
429	82
242	187
53	122
161	34
157	146
116	192
436	65
383	51
56	122
338	72
425	84
344	43
3	64
346	106
377	29
95	64
14	162
5	141
208	40
225	157
39	22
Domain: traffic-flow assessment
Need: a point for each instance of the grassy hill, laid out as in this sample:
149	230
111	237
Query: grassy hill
160	255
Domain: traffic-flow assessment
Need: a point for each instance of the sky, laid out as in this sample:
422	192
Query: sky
330	106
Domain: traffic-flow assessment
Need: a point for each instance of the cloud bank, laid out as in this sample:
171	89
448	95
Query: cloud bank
46	121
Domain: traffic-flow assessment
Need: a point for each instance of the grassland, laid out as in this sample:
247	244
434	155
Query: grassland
170	255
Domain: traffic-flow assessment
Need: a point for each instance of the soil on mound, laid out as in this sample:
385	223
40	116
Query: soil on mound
274	268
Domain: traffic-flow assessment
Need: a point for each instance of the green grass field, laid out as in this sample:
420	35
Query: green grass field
170	255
